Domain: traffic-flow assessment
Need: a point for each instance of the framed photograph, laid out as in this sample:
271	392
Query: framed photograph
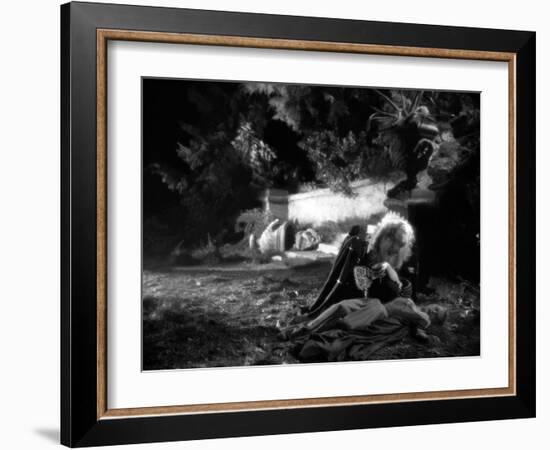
277	224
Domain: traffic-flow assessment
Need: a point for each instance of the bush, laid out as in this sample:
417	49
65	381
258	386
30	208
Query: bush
253	221
207	254
341	160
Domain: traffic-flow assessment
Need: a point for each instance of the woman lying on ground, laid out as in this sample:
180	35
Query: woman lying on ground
363	286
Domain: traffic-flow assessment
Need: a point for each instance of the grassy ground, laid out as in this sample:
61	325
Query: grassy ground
206	317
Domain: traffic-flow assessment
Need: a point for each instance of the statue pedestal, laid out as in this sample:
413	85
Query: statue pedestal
420	209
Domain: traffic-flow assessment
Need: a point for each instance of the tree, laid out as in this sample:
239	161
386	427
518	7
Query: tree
232	140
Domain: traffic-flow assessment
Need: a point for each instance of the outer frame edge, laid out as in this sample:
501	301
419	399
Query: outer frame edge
101	433
65	334
526	222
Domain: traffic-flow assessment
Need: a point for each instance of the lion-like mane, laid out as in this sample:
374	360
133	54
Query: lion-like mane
389	225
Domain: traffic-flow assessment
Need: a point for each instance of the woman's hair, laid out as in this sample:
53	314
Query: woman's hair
390	224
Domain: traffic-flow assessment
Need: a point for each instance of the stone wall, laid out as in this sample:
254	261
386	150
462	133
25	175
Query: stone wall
321	205
275	201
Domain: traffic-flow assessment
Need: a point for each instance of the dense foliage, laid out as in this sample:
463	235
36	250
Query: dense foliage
211	148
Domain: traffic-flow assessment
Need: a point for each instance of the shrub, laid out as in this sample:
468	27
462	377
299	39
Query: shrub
207	254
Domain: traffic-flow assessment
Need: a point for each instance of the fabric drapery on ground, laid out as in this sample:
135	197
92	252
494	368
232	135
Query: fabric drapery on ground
340	345
354	329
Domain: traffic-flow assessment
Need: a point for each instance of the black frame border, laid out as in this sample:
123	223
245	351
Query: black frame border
79	423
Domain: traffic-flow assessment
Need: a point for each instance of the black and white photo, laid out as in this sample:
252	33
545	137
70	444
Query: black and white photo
294	223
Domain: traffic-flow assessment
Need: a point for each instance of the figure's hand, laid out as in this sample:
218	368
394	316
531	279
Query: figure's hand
392	274
377	270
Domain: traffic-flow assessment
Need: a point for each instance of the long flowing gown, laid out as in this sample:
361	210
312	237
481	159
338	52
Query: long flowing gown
345	324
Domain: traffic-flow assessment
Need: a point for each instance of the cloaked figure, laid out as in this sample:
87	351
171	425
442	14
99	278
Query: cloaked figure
389	247
364	304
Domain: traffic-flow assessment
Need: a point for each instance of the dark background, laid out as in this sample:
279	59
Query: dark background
205	145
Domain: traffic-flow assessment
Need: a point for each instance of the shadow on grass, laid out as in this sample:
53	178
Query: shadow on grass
179	338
